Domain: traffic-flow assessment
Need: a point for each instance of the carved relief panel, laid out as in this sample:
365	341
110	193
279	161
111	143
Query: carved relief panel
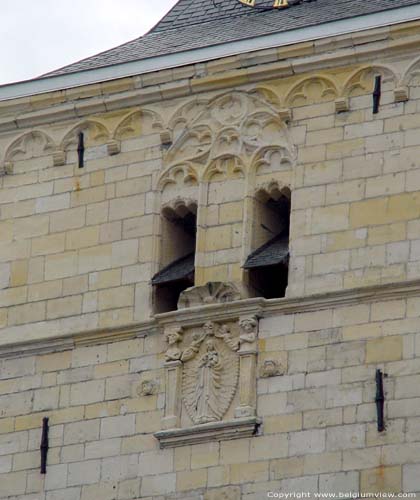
210	382
210	373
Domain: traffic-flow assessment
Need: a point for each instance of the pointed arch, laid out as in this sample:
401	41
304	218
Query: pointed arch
263	128
412	71
29	145
361	81
267	94
312	89
138	122
271	159
224	167
180	175
95	131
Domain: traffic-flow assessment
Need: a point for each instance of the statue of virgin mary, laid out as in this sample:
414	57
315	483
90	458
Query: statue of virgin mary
208	385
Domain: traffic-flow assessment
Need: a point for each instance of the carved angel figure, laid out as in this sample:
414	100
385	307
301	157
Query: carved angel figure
248	329
194	347
173	337
225	334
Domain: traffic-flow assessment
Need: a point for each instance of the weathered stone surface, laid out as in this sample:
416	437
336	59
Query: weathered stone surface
280	395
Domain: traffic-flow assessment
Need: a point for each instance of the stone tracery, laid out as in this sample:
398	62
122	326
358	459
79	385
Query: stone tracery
235	124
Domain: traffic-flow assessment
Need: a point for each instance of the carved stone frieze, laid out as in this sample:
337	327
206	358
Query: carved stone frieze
214	292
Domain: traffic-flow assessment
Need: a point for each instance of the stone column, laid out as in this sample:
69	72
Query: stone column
172	418
248	327
173	378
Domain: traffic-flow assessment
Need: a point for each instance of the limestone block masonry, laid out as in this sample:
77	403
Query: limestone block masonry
231	396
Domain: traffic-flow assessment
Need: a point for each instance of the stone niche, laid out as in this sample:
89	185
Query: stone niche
210	382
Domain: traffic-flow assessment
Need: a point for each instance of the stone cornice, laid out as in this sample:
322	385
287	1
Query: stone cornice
234	429
238	70
220	312
70	341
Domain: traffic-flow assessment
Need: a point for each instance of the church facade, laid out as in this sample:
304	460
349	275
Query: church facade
210	260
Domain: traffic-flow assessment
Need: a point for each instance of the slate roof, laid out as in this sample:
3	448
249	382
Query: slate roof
194	24
178	270
275	251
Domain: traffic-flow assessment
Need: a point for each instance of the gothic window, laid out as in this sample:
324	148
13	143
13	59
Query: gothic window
268	264
179	228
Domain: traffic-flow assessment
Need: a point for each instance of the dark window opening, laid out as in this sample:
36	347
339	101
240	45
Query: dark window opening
268	264
179	228
269	282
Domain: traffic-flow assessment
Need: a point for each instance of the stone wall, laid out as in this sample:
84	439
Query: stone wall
318	413
79	246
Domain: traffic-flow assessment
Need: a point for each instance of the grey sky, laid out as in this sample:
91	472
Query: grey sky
41	35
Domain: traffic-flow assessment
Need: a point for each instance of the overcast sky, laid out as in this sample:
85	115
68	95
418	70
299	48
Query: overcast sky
37	36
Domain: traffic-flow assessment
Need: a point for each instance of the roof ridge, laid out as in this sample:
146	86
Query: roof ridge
197	29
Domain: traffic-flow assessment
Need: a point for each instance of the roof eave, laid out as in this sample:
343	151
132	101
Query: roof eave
158	63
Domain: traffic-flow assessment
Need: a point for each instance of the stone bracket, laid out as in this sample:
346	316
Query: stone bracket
285	114
59	158
401	94
342	104
166	138
113	147
234	429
